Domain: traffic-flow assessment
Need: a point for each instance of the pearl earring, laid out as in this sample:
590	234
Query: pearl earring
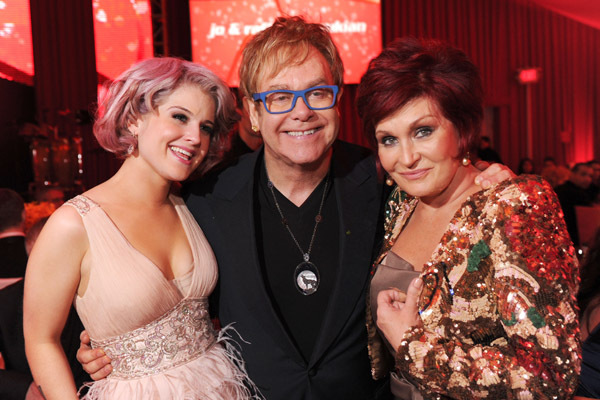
466	160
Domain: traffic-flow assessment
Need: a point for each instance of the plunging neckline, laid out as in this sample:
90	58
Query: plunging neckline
144	256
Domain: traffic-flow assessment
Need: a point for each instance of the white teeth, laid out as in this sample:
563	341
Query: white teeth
301	133
181	151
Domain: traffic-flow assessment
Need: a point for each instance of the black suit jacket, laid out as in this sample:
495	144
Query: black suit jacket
339	366
16	378
13	257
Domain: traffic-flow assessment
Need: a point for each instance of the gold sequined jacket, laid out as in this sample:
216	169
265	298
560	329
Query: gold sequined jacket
498	300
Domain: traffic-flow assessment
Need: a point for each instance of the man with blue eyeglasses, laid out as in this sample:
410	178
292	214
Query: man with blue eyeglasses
283	101
294	226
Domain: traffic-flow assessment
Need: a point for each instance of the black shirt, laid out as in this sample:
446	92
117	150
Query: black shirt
301	314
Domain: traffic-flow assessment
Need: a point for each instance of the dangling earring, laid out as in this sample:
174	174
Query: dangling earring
466	160
254	128
389	181
132	147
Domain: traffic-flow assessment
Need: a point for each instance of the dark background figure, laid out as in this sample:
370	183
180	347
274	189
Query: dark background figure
588	299
549	162
594	189
556	175
16	382
246	138
526	166
50	194
573	193
243	139
486	152
13	258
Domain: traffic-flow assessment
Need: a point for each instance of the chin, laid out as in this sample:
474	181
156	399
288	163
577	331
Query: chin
417	191
179	177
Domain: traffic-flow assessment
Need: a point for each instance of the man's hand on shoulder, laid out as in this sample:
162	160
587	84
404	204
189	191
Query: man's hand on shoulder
492	174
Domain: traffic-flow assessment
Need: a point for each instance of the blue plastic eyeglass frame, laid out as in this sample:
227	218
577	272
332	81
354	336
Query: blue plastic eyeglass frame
297	93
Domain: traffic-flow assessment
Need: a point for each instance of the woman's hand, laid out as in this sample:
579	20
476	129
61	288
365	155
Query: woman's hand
93	361
397	313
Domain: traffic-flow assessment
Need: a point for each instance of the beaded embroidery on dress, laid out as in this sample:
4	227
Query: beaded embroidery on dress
157	332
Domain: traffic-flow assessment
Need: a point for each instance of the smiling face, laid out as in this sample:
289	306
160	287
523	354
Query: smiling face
174	139
418	147
300	137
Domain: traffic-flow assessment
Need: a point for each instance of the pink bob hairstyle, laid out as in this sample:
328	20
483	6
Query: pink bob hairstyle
409	69
143	87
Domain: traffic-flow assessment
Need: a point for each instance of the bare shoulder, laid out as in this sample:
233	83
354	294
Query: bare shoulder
67	220
64	230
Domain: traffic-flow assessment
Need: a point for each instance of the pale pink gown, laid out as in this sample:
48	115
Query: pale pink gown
157	332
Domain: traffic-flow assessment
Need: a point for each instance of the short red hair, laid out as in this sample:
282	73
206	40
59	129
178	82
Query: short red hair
409	69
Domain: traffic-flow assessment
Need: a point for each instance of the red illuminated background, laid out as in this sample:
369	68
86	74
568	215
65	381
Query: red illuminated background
123	35
16	56
220	28
557	38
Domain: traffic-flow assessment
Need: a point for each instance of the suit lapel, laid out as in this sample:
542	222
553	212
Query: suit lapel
358	197
233	206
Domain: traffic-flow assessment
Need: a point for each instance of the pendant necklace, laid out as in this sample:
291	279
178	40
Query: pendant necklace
306	274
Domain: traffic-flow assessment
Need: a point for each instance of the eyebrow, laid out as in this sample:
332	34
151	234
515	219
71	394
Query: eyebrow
412	124
210	121
316	82
179	108
418	121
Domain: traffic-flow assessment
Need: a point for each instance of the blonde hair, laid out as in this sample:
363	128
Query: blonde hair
287	42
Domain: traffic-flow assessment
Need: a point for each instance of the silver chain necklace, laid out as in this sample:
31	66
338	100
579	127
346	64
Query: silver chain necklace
306	274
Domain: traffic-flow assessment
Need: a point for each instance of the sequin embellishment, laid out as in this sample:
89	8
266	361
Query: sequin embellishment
497	303
82	204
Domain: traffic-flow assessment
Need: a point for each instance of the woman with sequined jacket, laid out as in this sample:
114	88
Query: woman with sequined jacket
492	311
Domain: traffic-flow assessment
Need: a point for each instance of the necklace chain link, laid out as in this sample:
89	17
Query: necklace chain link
318	218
